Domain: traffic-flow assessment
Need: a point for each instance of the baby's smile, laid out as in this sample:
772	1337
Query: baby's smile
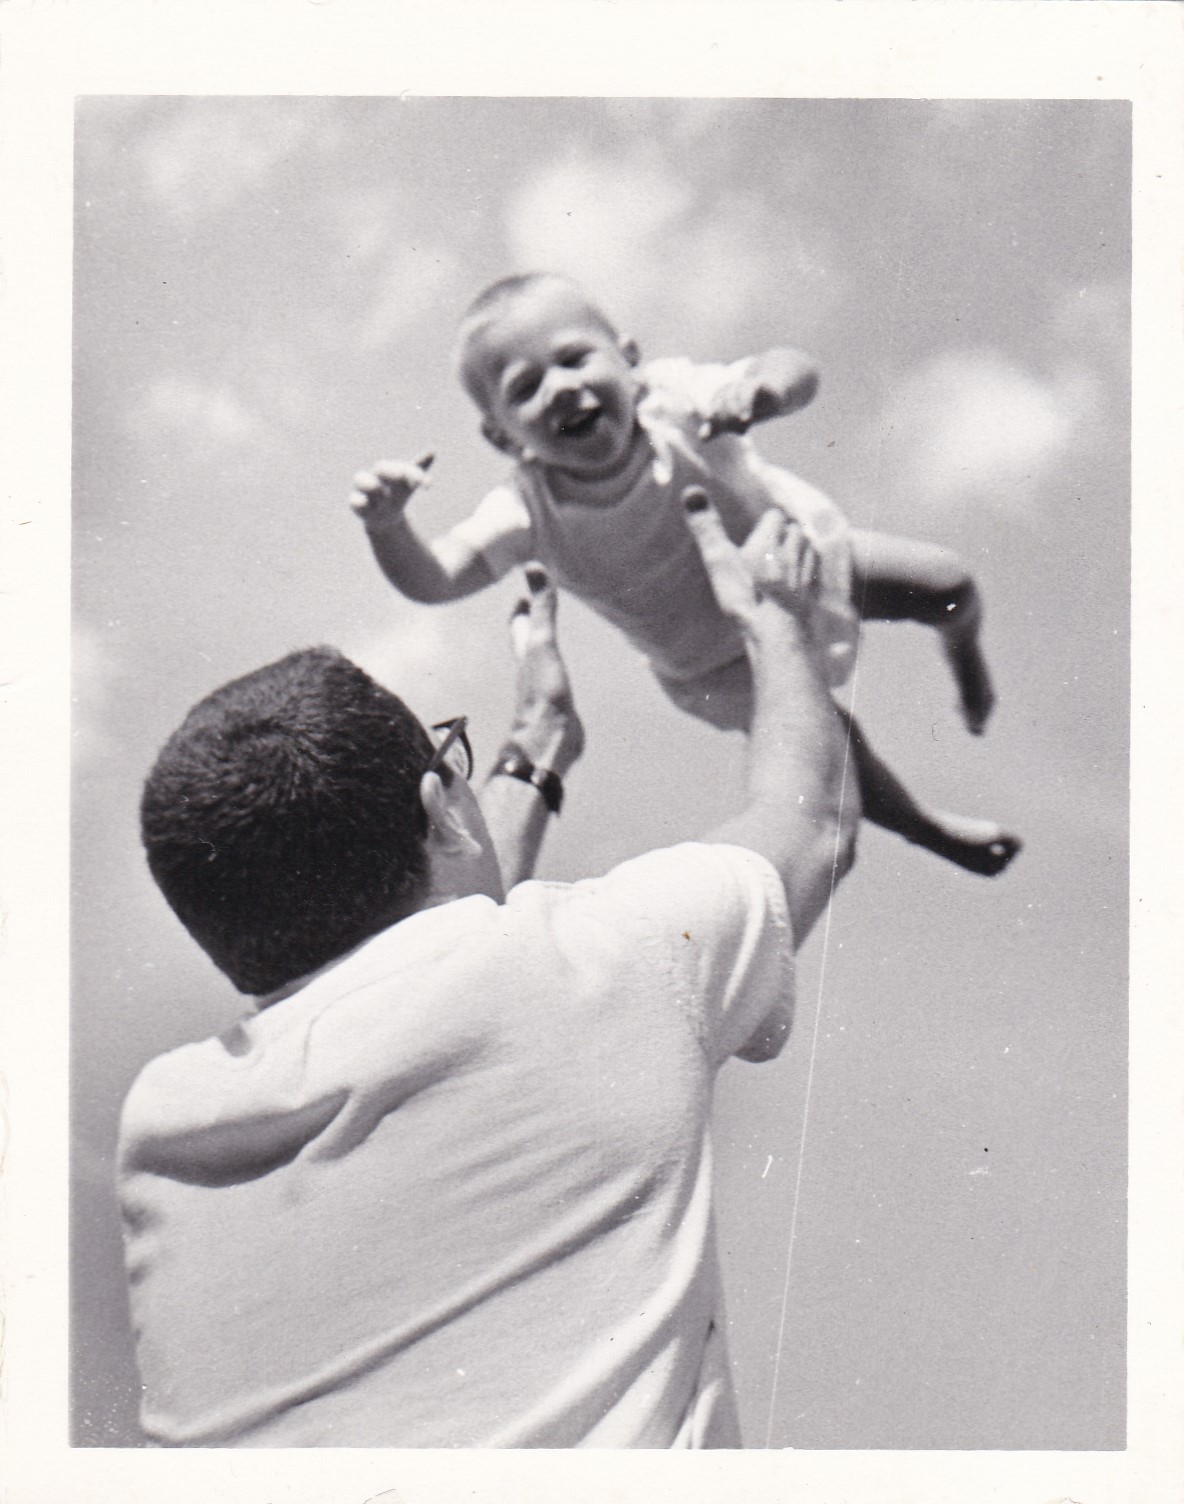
556	383
581	421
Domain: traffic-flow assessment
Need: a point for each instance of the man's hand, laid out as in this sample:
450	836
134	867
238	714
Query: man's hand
776	563
800	813
381	494
771	385
547	725
546	728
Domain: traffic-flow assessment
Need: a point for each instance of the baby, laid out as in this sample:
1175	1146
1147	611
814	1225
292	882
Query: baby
603	449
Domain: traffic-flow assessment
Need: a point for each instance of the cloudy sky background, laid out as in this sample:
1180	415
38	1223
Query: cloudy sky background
922	1204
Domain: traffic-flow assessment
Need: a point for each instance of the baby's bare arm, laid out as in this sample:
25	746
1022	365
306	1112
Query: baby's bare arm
770	385
441	570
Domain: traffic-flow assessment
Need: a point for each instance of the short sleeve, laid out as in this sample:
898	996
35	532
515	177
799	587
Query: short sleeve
712	920
499	530
686	387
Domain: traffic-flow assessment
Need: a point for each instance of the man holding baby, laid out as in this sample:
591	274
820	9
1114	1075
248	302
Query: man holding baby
449	1183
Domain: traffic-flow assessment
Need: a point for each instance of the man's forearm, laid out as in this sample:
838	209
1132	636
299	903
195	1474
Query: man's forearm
802	808
802	811
517	820
546	731
516	811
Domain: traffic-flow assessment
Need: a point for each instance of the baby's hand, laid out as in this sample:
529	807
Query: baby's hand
771	385
381	494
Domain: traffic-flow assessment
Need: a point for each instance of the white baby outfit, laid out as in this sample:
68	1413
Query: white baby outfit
635	561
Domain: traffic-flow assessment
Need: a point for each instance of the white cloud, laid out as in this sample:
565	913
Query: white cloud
407	289
411	653
94	679
598	221
211	413
972	426
674	258
362	223
210	153
1094	322
686	123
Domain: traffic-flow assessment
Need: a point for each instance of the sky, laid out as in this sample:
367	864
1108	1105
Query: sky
921	1205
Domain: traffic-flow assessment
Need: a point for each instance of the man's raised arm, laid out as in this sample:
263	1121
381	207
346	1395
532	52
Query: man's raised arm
545	740
802	808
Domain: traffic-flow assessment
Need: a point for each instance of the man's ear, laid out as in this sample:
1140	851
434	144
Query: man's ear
499	440
447	831
630	350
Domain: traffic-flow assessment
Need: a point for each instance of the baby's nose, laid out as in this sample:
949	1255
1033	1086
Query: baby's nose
561	382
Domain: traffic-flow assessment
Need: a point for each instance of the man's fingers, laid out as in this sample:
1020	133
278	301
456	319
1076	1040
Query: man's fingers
810	572
532	621
702	518
542	603
520	629
764	549
783	561
544	600
726	569
802	564
769	533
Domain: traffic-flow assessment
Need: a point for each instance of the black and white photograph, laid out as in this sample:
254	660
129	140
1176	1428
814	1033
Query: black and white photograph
600	786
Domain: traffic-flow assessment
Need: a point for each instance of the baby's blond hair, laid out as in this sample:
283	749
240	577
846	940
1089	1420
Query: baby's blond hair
488	305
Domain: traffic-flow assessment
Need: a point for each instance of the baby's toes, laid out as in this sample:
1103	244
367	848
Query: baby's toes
1001	853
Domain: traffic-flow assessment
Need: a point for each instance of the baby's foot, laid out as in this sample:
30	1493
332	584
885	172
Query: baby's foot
977	845
976	694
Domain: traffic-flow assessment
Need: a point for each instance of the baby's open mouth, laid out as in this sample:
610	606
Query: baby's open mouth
578	423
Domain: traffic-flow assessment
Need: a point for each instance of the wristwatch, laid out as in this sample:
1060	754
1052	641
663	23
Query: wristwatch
513	762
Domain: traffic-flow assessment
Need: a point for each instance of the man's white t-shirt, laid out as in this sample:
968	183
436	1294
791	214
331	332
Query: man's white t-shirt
456	1190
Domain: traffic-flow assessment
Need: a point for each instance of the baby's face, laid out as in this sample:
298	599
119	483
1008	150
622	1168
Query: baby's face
554	382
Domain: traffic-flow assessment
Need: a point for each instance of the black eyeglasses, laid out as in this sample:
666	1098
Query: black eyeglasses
453	749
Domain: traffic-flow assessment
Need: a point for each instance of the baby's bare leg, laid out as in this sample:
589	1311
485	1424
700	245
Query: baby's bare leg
723	698
978	845
899	579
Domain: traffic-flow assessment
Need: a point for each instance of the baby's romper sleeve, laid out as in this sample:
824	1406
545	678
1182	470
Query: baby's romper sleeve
499	530
685	388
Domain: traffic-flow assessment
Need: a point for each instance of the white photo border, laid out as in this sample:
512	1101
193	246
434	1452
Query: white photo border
1000	49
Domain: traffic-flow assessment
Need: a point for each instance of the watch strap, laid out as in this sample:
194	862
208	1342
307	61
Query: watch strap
513	762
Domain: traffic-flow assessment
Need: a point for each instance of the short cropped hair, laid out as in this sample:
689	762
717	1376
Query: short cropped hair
282	820
486	306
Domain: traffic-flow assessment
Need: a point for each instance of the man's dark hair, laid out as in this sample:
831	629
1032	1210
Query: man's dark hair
282	820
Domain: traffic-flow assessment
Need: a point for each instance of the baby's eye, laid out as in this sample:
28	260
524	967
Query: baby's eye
574	355
523	389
